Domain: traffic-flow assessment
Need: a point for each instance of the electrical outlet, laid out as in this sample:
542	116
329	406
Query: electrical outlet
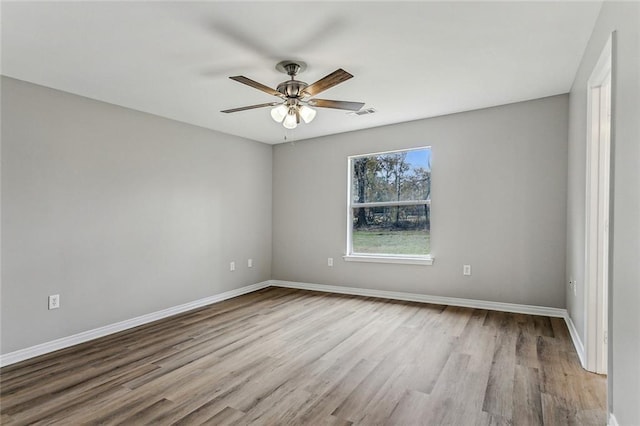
466	269
575	287
232	266
250	263
54	301
330	261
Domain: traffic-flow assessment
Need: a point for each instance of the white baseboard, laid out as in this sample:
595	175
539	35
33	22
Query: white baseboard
612	420
65	342
452	301
575	338
438	300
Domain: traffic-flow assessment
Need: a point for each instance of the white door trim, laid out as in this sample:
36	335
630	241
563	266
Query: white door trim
597	212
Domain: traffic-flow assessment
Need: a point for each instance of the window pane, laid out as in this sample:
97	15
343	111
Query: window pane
391	230
395	176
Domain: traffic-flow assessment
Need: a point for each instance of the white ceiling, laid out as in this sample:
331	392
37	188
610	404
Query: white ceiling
411	60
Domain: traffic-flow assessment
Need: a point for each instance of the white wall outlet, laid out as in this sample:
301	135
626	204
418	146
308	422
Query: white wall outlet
575	287
232	266
330	261
250	263
54	301
466	269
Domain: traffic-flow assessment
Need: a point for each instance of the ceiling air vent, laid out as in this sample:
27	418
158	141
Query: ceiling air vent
366	111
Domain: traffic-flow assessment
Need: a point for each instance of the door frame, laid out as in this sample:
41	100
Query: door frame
597	212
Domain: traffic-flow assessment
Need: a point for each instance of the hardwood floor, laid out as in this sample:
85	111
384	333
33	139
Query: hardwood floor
281	356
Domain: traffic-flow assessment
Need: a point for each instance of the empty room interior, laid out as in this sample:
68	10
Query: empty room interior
346	213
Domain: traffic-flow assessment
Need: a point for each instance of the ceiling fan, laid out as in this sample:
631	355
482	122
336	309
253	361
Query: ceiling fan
296	96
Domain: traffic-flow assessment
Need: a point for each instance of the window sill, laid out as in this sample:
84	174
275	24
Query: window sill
376	258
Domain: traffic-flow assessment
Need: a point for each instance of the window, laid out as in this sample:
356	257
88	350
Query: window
389	207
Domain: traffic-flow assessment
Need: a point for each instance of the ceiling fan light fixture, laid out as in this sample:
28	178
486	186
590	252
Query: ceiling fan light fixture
307	114
290	121
279	113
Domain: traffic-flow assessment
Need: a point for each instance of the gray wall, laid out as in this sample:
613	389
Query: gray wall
624	312
121	213
498	203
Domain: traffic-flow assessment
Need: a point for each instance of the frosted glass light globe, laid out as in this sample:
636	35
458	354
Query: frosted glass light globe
290	121
278	113
307	114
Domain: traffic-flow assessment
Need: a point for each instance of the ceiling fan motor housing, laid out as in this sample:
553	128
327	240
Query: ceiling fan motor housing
292	88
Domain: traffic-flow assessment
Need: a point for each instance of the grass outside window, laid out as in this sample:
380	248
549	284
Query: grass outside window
391	242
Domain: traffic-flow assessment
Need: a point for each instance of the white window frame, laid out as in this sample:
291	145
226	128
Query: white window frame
379	258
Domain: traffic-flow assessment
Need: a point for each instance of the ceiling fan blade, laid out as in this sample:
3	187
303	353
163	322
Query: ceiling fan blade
251	107
256	85
327	103
327	82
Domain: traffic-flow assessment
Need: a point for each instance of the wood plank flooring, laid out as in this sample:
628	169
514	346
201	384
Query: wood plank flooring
281	356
